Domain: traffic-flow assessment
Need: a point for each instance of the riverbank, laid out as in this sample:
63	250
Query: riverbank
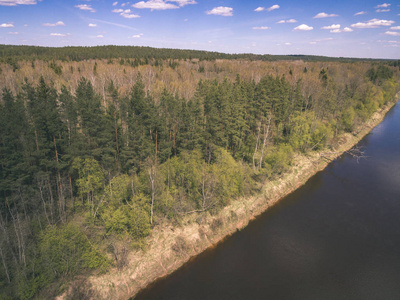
171	246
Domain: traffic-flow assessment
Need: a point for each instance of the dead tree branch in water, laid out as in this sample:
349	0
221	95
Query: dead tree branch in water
355	152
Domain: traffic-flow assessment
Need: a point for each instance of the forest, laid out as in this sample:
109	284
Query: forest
97	151
13	53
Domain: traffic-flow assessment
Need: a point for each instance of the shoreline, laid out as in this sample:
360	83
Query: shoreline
170	247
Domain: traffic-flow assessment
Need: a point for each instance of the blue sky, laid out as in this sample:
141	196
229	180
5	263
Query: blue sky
359	28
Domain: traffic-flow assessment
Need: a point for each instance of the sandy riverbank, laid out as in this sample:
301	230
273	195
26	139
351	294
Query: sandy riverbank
171	247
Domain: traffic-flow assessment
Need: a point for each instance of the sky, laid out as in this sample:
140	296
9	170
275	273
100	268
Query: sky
340	28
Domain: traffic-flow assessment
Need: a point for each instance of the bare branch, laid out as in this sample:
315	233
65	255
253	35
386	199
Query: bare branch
355	152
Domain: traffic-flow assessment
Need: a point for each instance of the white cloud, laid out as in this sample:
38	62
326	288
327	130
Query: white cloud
384	5
261	28
129	16
360	13
85	7
60	34
13	33
182	3
303	27
324	15
16	2
6	25
395	28
346	29
374	23
287	21
273	7
100	36
382	10
154	5
331	27
288	44
392	33
115	3
321	40
92	25
137	36
125	13
115	24
59	23
221	11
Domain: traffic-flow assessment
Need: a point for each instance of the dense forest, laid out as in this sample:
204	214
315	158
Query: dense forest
96	150
12	53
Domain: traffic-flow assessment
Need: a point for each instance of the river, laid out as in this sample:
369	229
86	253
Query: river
336	237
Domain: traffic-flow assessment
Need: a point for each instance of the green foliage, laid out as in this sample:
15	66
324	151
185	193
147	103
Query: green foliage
279	159
66	251
321	133
229	175
380	74
119	190
307	132
141	55
124	160
132	219
91	177
182	176
348	119
300	137
56	68
123	212
27	288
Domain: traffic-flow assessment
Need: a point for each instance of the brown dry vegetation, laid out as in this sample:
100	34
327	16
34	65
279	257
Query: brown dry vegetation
183	79
169	247
137	247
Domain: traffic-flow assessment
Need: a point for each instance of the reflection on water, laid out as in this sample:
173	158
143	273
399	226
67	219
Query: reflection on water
337	237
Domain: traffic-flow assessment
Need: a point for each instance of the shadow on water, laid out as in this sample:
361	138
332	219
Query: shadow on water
337	237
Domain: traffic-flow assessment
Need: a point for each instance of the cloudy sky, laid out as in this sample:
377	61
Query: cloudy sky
349	28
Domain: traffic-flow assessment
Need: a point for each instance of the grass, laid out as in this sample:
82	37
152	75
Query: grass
169	247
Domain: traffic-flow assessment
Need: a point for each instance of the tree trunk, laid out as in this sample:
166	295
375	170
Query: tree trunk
151	176
256	148
4	265
266	134
116	136
61	200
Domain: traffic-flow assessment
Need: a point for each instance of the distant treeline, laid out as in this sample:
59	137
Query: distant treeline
12	53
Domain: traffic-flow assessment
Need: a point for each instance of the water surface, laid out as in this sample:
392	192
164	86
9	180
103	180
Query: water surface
337	237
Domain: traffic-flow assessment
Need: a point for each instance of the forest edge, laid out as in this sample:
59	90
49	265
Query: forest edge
173	246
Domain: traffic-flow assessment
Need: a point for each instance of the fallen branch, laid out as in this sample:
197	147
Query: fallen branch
355	152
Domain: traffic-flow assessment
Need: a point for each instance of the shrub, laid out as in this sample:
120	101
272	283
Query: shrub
279	158
216	224
180	246
66	251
